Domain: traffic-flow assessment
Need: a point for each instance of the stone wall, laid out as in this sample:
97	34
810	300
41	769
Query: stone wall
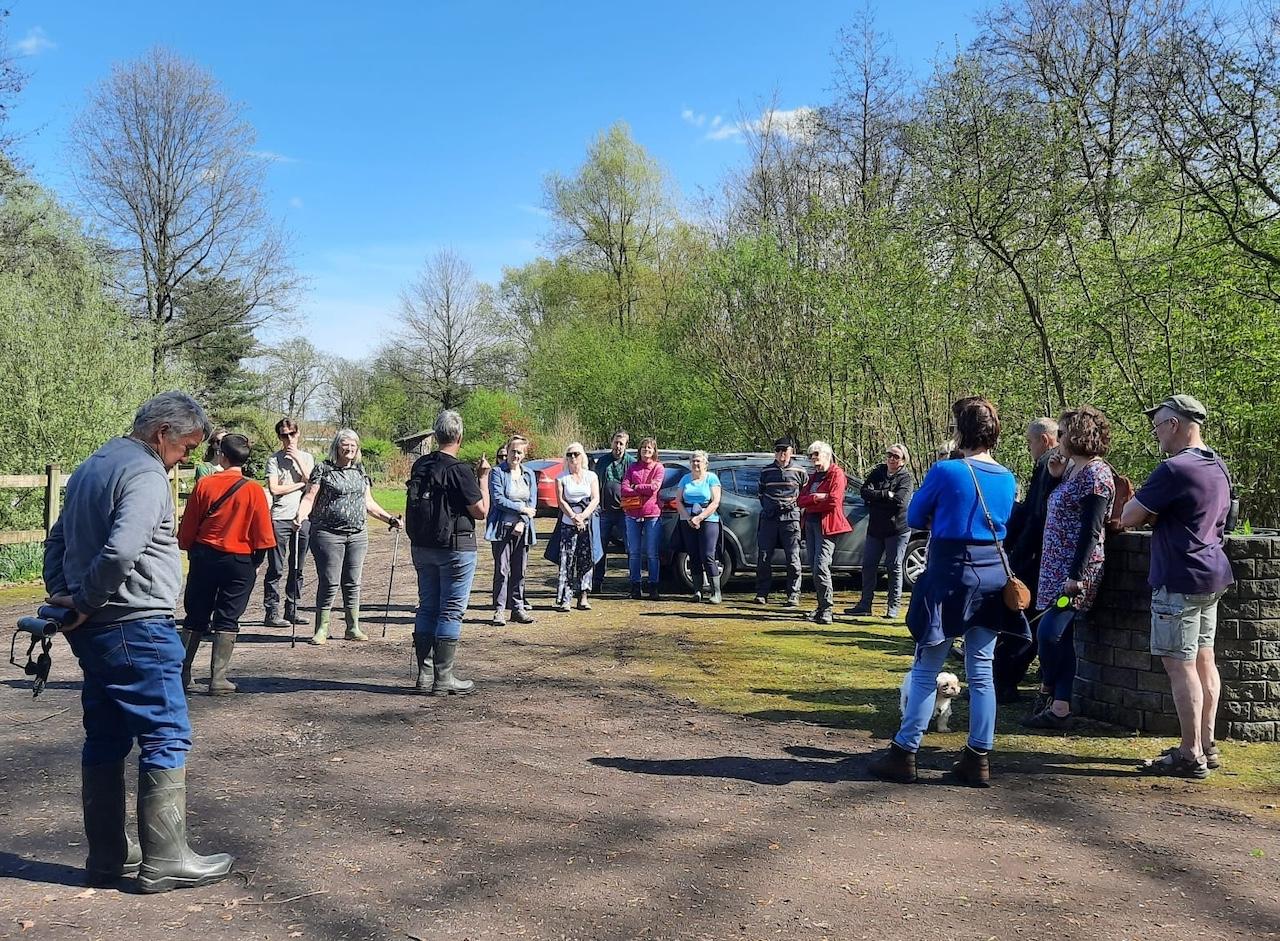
1118	681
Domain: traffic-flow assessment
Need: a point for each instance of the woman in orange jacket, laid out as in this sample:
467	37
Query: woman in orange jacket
822	500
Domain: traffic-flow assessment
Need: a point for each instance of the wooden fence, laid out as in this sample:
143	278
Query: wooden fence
52	481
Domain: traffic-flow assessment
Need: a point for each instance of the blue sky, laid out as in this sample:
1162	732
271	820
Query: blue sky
404	127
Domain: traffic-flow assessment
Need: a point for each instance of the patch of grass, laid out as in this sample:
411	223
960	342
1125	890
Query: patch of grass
771	665
21	563
391	499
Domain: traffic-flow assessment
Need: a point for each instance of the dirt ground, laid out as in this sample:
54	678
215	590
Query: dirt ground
568	798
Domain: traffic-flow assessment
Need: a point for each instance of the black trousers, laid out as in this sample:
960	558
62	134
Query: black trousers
282	561
218	589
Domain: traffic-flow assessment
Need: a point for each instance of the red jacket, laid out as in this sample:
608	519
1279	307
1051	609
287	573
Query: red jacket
241	525
831	510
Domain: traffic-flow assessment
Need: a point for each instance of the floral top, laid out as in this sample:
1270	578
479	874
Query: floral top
339	506
1063	523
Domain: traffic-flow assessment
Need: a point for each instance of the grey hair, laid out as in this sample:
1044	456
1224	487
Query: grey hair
824	448
701	454
1043	426
448	427
178	410
345	434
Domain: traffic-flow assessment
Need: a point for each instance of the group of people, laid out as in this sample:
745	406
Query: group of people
971	585
112	560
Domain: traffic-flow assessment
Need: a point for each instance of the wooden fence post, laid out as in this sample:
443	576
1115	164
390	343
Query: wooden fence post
52	496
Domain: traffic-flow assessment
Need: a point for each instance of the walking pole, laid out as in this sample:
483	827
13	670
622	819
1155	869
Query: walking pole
295	540
395	551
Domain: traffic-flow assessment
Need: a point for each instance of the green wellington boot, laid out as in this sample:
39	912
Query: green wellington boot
353	624
167	861
445	682
715	590
112	855
191	641
423	648
224	645
321	636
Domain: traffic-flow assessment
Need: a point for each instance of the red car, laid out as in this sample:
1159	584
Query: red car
546	471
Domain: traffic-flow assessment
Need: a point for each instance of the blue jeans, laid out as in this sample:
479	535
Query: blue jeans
444	587
979	646
642	543
133	690
1058	661
613	523
892	548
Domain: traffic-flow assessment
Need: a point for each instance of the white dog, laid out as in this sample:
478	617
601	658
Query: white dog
948	689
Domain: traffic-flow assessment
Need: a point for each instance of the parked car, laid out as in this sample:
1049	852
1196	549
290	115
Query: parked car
546	470
740	515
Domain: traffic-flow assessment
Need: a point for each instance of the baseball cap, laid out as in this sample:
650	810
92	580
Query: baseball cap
783	442
1184	405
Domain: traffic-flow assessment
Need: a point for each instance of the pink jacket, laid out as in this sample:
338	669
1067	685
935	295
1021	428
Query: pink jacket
645	482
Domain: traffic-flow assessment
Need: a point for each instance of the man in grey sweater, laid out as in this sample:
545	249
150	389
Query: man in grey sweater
112	557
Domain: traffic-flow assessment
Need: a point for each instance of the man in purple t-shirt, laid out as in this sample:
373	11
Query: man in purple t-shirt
1186	499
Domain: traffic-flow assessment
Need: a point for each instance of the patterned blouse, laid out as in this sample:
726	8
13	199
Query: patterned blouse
339	506
1062	533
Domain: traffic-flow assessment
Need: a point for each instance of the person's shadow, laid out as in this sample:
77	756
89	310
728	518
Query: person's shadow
13	866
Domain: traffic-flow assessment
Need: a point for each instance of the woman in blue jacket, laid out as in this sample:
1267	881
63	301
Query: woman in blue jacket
965	503
513	503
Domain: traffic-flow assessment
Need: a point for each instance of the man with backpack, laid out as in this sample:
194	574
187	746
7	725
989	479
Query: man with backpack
445	498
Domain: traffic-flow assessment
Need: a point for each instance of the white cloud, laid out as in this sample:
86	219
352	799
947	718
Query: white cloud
34	43
272	157
295	202
793	124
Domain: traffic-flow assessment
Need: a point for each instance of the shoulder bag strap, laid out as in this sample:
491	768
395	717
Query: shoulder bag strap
217	504
1004	560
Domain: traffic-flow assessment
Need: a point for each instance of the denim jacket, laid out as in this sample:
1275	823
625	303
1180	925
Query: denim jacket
504	511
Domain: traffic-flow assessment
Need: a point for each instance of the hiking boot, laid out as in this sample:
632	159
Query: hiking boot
446	649
293	615
972	768
635	591
112	855
499	619
521	616
224	644
191	641
860	610
422	651
896	764
715	590
583	604
321	635
352	614
891	614
167	861
653	592
272	618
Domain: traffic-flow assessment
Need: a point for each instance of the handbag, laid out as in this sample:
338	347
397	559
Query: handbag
631	502
1017	596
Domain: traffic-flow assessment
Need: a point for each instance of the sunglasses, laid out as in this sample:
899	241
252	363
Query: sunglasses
781	449
893	454
573	454
815	454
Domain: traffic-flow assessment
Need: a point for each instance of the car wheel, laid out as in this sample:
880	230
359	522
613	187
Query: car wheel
680	563
913	561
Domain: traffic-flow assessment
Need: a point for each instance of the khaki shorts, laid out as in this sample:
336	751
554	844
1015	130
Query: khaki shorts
1182	624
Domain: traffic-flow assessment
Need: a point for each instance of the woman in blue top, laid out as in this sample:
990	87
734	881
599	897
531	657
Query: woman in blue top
697	499
513	503
960	593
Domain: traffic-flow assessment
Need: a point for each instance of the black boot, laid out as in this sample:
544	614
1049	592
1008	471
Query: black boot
897	765
167	861
422	649
224	645
292	615
446	648
972	768
635	591
112	855
653	592
191	641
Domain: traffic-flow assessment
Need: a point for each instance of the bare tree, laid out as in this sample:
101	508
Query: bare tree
347	389
445	342
295	370
166	167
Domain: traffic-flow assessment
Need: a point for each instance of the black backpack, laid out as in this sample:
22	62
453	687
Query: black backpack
429	518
